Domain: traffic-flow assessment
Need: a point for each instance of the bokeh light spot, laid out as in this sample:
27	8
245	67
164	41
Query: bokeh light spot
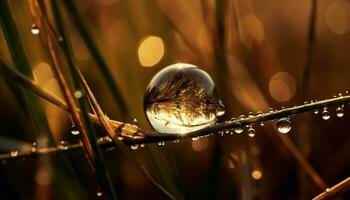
256	174
338	17
282	86
150	51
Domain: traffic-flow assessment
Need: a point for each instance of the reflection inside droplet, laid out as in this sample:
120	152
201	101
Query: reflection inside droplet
182	98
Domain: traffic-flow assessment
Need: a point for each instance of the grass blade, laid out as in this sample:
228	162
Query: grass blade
101	64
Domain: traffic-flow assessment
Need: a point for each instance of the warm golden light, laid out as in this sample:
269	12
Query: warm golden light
282	86
338	17
200	145
256	174
150	51
42	73
252	31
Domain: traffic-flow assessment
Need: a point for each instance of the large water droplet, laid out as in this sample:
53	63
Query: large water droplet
284	125
340	112
325	114
34	29
182	98
251	132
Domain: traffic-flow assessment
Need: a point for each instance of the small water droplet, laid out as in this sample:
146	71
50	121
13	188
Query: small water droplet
340	94
262	124
270	110
305	102
227	131
134	146
315	111
34	147
161	143
74	130
250	114
325	114
238	129
14	153
120	138
346	92
284	125
182	98
195	139
251	132
135	122
78	94
327	189
99	194
34	29
220	110
142	145
63	145
340	112
176	141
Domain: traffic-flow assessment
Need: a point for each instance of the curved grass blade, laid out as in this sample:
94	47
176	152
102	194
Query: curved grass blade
101	64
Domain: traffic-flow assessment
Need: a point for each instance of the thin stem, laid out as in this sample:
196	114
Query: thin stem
334	191
101	64
311	43
124	129
153	137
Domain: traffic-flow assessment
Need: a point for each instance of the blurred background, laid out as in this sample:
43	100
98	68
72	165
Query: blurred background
255	52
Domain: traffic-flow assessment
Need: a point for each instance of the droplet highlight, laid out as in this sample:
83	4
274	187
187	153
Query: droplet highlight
34	29
339	112
325	114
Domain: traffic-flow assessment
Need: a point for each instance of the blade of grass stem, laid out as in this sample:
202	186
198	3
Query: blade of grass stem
87	134
101	64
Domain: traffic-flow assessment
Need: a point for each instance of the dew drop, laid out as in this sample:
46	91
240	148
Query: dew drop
135	122
325	114
284	125
182	98
34	147
60	38
74	130
195	139
134	146
63	145
120	138
176	141
78	94
251	132
14	153
99	194
238	129
34	29
315	111
340	112
262	124
161	143
142	145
